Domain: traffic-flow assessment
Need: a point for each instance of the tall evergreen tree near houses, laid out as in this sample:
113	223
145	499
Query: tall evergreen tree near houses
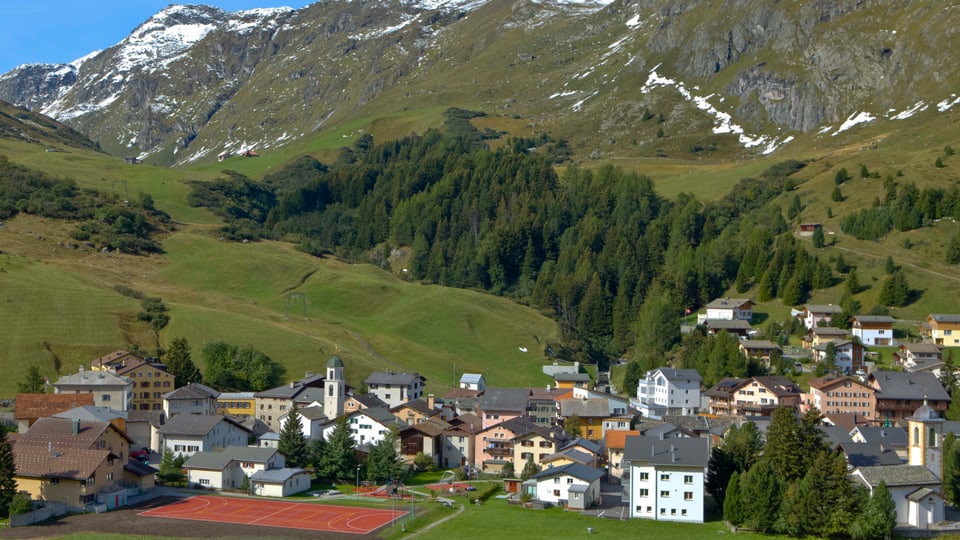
293	444
384	463
33	382
878	518
895	291
8	484
733	510
529	469
951	468
180	364
760	493
339	458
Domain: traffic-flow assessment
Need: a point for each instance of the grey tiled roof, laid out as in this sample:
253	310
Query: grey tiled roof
276	476
677	452
192	391
900	385
195	424
585	408
91	413
868	455
505	399
949	318
219	460
899	475
393	379
576	470
370	400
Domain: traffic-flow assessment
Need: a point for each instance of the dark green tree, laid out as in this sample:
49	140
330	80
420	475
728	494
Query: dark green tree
33	382
789	517
841	265
293	444
573	426
339	458
740	450
383	462
818	238
888	266
795	208
878	518
632	375
841	176
180	363
529	469
760	493
836	195
953	250
171	471
852	283
733	510
895	291
8	483
658	326
951	472
508	470
829	499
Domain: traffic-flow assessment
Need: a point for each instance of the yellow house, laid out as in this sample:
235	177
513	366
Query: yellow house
942	329
239	404
150	383
414	412
536	444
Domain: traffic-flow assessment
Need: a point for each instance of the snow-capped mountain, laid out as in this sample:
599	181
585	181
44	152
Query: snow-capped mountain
195	80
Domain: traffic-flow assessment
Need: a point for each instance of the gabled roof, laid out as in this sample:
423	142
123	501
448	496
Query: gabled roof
370	400
310	413
505	399
900	385
236	395
944	318
58	433
869	455
432	427
726	324
835	435
873	319
759	345
91	413
471	378
32	406
828	331
571	377
70	463
672	374
576	456
725	388
822	308
276	476
309	395
615	439
664	431
138	468
519	426
419	405
898	475
890	436
576	470
688	452
915	348
92	378
381	415
154	418
832	380
139	363
586	444
393	379
293	388
219	460
585	408
114	357
192	391
195	425
778	384
729	303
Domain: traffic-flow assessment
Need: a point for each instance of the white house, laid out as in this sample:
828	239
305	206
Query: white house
730	309
369	426
226	469
473	381
913	488
665	480
187	434
395	388
574	486
873	329
667	391
108	389
280	482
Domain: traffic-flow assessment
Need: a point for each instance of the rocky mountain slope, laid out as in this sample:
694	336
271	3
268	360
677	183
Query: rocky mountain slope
193	81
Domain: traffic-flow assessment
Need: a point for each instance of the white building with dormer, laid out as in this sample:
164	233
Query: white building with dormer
668	391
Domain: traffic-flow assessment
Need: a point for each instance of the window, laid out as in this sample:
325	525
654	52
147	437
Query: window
664	477
110	476
556	493
204	481
55	481
683	512
663	511
649	509
105	397
556	480
673	511
688	495
688	479
664	493
644	492
569	480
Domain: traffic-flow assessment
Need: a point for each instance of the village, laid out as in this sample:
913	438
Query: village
95	442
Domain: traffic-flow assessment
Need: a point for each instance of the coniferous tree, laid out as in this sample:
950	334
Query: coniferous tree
733	510
953	250
878	518
293	444
789	517
529	469
384	463
852	284
658	326
180	364
888	266
508	470
339	458
760	493
573	425
895	291
819	239
8	483
33	382
170	468
951	472
783	444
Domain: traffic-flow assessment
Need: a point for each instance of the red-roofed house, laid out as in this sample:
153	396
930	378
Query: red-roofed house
31	407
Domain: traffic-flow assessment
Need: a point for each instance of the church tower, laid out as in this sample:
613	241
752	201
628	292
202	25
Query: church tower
925	432
333	395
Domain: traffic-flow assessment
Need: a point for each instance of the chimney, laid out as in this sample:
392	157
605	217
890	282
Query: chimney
76	426
430	401
308	375
292	384
548	388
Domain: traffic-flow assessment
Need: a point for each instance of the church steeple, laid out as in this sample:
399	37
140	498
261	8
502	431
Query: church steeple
333	395
925	431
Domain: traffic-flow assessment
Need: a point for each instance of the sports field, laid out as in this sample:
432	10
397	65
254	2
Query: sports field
305	516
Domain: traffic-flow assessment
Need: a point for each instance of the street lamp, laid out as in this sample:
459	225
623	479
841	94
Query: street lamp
358	480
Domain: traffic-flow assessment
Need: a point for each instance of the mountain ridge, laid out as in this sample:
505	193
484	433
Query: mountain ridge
192	81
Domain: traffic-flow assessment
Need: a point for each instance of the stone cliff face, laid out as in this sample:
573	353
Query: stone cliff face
194	80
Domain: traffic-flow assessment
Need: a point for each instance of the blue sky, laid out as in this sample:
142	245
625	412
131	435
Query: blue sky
60	31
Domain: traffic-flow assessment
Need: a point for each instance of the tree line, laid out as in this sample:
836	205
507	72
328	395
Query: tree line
588	247
903	208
